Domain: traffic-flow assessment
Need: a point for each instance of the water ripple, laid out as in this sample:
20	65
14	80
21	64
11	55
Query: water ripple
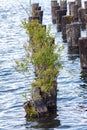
72	82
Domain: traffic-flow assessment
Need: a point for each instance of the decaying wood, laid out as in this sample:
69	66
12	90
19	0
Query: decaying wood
63	4
42	102
83	52
78	2
70	6
73	34
65	20
74	12
81	17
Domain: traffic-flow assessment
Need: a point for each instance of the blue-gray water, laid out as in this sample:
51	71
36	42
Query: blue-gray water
72	83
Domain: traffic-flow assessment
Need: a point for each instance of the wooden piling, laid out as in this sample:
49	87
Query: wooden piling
83	52
78	2
86	18
81	17
70	4
85	4
65	20
43	95
63	4
54	6
86	22
73	34
37	12
54	3
59	14
54	13
74	12
35	7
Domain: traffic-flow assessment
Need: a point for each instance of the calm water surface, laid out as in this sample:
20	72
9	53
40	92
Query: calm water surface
72	82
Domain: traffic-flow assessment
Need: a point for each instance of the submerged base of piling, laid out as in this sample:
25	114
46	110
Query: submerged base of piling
37	109
41	103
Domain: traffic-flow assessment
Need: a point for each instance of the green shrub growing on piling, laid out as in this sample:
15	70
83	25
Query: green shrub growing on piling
42	53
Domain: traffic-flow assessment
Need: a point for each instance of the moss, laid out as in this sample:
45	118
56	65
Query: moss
30	109
70	18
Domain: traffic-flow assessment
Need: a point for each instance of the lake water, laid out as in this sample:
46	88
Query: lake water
72	82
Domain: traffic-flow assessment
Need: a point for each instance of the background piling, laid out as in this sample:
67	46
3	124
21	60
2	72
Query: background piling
37	13
60	13
67	19
78	2
54	13
83	52
81	17
63	4
73	34
70	5
74	12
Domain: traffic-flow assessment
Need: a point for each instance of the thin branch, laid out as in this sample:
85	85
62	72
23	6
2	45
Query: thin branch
29	8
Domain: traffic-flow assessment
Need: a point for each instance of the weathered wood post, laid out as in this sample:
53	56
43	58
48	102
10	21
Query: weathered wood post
78	2
81	17
83	52
54	6
86	23
54	3
35	7
65	20
74	12
60	13
54	13
85	4
70	5
73	33
37	12
63	4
